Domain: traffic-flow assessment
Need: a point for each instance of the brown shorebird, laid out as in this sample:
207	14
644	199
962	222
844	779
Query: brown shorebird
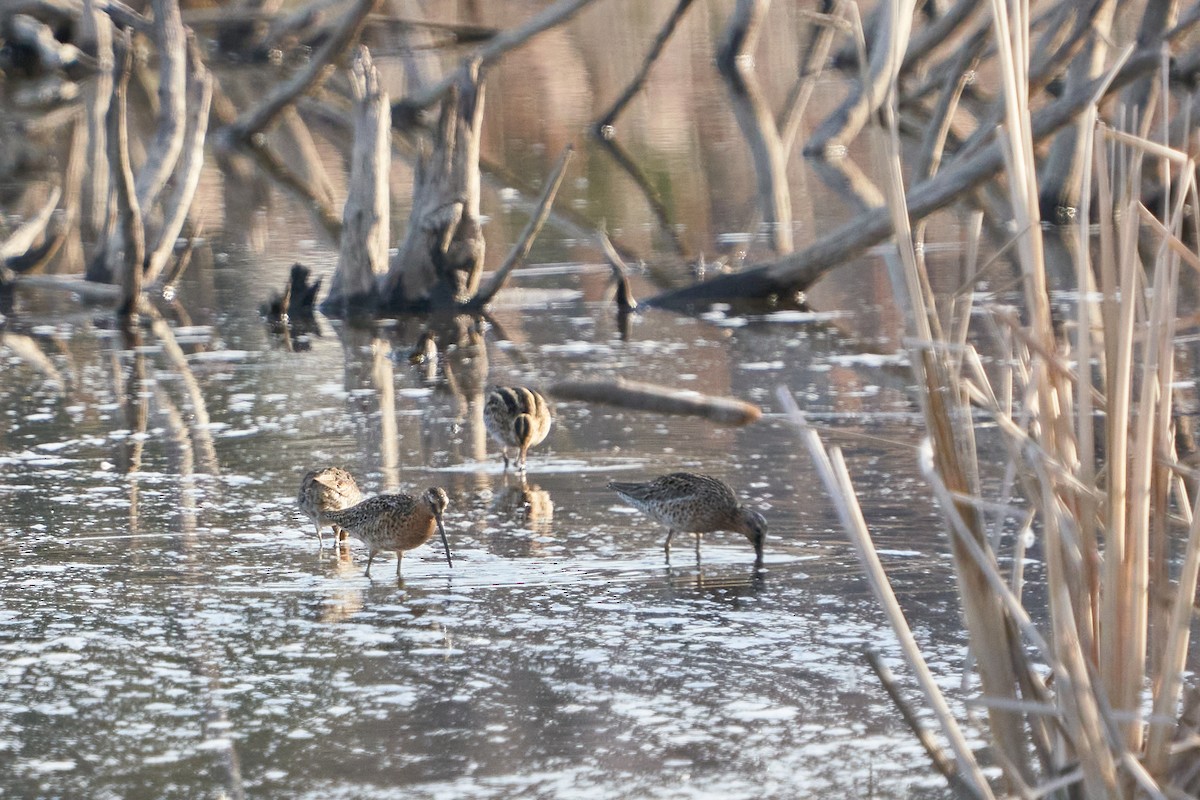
691	503
516	417
329	489
395	522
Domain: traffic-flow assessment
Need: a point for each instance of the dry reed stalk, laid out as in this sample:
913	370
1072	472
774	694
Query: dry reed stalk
1102	511
836	479
947	418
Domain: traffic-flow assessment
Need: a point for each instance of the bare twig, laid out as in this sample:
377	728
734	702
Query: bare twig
603	127
200	90
548	18
660	399
171	42
756	120
625	301
520	248
313	73
22	239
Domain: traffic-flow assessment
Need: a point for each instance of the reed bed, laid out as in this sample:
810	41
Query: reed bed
1087	693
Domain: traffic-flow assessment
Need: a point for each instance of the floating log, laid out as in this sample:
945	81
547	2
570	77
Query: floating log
662	399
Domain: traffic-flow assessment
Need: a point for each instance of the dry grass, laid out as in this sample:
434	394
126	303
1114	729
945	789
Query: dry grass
1088	701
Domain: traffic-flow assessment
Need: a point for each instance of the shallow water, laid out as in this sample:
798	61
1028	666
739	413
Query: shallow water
173	630
169	629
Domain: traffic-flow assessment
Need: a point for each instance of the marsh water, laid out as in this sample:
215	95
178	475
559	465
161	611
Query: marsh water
173	630
169	627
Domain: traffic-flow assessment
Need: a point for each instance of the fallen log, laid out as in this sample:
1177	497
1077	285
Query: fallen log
796	272
661	399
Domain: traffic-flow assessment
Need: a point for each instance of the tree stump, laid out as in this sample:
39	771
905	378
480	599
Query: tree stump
440	261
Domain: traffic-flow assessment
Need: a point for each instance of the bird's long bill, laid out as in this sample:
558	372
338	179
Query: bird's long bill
445	541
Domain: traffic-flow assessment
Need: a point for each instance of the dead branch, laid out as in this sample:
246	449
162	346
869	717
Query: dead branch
273	165
887	49
58	12
520	248
937	129
661	399
299	149
52	55
796	272
440	260
22	239
602	128
846	180
814	59
624	297
653	199
366	222
626	304
96	33
313	73
170	40
129	215
199	98
938	32
500	44
1060	179
756	120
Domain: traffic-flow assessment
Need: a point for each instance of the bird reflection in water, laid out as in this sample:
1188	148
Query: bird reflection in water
720	585
530	506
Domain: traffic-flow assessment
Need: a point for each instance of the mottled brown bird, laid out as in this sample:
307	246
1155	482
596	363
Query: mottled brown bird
329	489
395	522
691	503
519	417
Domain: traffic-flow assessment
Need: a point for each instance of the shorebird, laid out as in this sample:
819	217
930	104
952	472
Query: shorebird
329	489
395	522
516	416
691	503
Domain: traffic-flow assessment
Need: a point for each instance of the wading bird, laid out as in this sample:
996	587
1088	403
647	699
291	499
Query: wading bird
518	417
329	489
395	522
691	503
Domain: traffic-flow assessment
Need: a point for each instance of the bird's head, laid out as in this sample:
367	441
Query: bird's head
754	526
438	500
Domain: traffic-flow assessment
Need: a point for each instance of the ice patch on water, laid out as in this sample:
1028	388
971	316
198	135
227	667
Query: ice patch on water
793	316
219	743
750	710
220	356
42	767
869	360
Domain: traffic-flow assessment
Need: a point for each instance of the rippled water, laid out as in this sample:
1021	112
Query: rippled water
169	628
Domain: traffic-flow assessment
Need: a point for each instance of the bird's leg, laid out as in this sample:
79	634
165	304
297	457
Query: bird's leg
399	558
667	545
370	558
320	538
697	549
